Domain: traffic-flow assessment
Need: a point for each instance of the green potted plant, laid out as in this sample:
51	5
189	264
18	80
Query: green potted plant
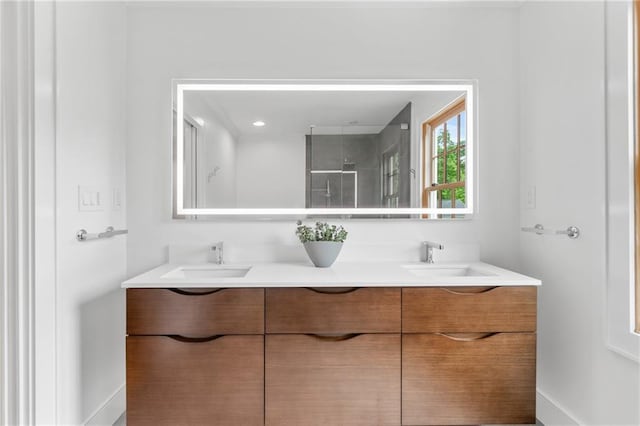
322	243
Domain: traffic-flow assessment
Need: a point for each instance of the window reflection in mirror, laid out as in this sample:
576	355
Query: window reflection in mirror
444	139
367	152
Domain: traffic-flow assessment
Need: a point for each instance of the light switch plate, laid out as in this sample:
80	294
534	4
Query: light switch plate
90	199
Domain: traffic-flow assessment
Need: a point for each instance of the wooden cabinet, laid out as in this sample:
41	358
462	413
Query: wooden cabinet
468	309
332	375
473	378
191	358
322	311
468	355
343	356
339	380
195	312
176	381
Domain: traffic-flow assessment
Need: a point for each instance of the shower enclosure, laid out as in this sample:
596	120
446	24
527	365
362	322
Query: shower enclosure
358	165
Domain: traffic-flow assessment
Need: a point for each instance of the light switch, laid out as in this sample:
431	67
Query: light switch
90	199
117	200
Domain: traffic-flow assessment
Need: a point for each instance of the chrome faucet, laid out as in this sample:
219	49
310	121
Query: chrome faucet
429	246
218	252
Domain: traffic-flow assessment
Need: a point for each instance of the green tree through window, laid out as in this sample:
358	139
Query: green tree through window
445	138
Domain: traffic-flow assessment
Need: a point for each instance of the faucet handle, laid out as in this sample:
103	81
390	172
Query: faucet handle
433	245
218	248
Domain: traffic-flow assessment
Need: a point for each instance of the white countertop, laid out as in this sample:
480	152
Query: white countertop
341	274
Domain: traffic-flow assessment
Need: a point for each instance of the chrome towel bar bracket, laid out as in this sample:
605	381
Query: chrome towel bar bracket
572	232
82	235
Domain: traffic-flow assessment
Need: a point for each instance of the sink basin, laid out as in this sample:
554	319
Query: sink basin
434	271
206	271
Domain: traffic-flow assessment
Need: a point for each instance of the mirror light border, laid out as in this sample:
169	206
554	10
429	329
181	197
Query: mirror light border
181	86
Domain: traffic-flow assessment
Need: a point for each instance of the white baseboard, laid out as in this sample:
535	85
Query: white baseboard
550	413
110	411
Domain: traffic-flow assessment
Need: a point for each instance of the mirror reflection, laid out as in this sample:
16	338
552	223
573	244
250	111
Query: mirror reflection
358	151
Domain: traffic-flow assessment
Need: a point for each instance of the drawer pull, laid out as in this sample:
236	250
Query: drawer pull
466	337
187	292
335	338
333	290
469	292
184	339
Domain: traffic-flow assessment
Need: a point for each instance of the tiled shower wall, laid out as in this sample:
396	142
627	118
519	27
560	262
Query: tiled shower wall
361	153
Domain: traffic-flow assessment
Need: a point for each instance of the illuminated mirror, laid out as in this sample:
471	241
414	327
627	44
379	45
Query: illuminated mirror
397	149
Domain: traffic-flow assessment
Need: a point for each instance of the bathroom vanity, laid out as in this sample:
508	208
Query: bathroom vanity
355	344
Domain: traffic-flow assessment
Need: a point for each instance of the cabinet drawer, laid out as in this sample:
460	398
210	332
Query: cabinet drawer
214	382
468	309
311	380
491	380
354	310
195	312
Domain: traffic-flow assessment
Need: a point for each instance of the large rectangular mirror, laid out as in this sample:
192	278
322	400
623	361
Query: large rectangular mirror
323	148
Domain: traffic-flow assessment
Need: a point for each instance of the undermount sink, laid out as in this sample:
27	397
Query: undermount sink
445	271
207	271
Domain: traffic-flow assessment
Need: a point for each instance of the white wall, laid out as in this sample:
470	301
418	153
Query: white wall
271	171
562	110
90	151
45	213
300	41
218	166
217	157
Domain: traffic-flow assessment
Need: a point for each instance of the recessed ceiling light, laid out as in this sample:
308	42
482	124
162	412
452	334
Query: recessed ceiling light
199	120
259	123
